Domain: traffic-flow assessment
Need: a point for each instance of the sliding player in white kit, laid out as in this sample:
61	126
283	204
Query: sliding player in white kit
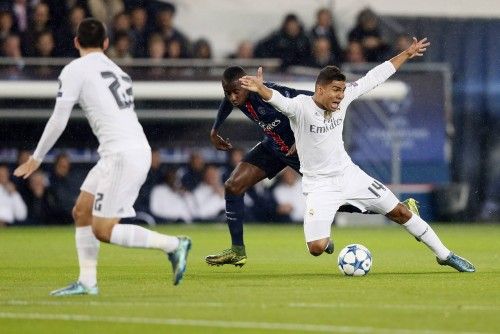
330	178
104	92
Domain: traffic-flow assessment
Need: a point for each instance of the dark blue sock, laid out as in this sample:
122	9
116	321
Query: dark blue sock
235	211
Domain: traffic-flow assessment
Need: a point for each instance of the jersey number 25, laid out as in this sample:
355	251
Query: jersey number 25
123	99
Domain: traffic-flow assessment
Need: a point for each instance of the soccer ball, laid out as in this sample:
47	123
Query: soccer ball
355	260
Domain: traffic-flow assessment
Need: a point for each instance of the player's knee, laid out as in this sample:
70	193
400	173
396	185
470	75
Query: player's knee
232	187
316	248
400	214
102	232
80	213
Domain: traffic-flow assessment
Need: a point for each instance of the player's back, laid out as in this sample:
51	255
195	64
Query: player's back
104	92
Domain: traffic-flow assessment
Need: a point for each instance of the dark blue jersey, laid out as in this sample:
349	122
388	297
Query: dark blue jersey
276	126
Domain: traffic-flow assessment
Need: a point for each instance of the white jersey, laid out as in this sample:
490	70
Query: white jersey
104	92
319	140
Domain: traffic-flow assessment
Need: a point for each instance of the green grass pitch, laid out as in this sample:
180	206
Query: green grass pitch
281	289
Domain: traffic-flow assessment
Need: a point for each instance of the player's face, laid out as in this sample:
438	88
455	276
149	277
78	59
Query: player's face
234	93
332	94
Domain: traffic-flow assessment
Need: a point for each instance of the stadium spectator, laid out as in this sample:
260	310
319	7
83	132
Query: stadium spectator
174	49
12	207
44	44
168	201
156	47
40	202
289	197
11	47
65	187
39	23
367	32
105	10
290	43
139	31
155	176
66	33
355	53
60	10
194	172
121	23
209	196
6	25
243	51
322	55
21	10
202	49
156	52
165	27
45	48
324	27
121	48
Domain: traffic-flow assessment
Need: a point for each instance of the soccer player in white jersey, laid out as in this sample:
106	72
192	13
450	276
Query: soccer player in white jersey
104	92
330	178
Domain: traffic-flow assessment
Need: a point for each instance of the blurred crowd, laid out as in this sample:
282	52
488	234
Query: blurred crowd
146	29
187	193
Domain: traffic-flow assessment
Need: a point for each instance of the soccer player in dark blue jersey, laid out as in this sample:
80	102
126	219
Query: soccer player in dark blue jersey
265	160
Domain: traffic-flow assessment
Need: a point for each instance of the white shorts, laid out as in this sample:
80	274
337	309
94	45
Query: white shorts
354	187
115	182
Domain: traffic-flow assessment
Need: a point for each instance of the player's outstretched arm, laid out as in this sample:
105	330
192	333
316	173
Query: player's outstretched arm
416	49
53	130
256	84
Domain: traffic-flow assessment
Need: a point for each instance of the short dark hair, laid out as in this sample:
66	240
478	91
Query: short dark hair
91	33
328	74
233	73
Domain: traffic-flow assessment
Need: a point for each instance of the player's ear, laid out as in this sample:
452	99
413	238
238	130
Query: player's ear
105	44
76	43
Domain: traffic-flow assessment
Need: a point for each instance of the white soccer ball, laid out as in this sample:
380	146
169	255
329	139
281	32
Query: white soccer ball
355	260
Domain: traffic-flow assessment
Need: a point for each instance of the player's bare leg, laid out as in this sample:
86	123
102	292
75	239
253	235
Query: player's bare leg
317	247
244	176
423	232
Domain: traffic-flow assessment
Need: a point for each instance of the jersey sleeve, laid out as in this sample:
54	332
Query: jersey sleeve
225	109
70	83
372	79
282	104
287	91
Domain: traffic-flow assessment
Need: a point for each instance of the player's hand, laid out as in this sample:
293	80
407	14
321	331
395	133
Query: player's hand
292	150
219	142
26	169
253	83
417	48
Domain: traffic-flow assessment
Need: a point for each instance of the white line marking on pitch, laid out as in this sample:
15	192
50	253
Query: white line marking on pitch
402	306
480	308
222	324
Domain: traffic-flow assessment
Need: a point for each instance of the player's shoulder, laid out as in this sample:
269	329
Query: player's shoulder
75	69
285	91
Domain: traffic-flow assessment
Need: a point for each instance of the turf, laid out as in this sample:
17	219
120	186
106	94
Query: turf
281	289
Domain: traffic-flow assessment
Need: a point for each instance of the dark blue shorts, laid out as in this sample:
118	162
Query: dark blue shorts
271	161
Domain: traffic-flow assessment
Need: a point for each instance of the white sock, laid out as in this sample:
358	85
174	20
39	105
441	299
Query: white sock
420	229
137	236
87	247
